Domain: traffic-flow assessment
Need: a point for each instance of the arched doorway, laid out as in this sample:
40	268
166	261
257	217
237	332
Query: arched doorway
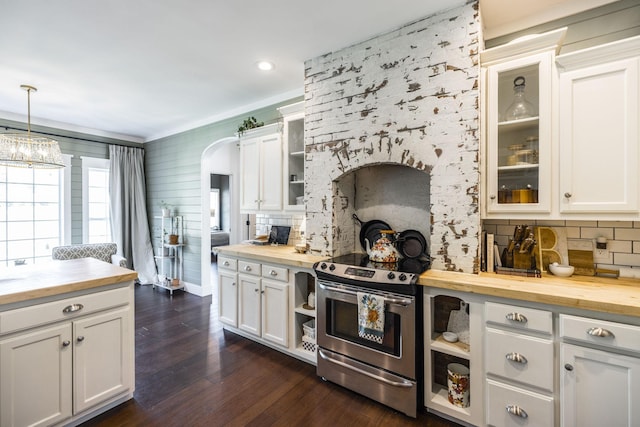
219	158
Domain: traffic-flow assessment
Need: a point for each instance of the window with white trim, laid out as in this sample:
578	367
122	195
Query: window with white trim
34	213
96	226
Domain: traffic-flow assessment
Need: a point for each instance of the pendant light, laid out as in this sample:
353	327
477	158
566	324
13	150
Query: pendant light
27	151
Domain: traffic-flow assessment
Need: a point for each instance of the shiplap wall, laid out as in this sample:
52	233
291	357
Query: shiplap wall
172	167
78	145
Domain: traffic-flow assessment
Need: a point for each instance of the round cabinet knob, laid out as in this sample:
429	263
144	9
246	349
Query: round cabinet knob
568	367
273	273
247	268
80	338
567	195
492	197
66	343
257	290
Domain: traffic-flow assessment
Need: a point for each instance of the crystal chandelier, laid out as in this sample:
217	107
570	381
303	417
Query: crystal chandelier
27	151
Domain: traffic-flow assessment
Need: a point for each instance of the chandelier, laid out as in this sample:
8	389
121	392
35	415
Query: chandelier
26	150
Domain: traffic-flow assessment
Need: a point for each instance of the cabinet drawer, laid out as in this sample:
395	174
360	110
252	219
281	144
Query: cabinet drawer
527	319
247	267
600	332
40	314
505	402
275	273
517	357
227	263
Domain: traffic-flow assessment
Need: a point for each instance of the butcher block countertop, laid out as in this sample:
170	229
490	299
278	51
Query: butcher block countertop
280	254
608	295
23	283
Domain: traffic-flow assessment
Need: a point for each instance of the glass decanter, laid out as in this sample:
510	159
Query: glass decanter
520	108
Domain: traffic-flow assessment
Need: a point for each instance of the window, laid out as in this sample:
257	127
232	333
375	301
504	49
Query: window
96	226
34	213
214	206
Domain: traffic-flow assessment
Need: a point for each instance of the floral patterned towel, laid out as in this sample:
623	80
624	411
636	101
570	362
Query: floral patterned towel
371	317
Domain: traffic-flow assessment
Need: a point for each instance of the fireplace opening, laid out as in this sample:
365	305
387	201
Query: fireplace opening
396	194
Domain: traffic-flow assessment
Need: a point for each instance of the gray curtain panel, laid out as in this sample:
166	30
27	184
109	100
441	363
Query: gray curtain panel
129	223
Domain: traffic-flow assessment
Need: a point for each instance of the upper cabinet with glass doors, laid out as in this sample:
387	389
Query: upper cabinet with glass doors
518	84
293	143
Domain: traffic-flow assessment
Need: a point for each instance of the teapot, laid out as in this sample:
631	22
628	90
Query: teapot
383	250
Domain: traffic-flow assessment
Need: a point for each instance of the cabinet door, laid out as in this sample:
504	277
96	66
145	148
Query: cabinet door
103	357
249	171
518	149
293	147
35	377
228	298
249	304
598	388
599	125
275	311
271	173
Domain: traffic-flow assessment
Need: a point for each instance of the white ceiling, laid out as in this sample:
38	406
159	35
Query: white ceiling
143	69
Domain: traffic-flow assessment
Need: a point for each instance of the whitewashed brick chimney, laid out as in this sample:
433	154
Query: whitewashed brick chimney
408	97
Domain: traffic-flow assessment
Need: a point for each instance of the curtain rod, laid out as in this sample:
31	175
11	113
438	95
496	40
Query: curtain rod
124	144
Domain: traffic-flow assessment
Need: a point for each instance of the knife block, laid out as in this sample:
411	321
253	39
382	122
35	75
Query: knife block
524	261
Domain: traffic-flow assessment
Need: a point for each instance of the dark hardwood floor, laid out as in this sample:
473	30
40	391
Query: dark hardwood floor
190	372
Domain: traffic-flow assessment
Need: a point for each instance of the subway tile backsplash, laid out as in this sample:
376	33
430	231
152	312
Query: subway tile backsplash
623	237
265	221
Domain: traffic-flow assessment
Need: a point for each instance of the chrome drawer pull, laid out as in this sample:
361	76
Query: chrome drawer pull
247	268
600	332
517	411
72	308
517	317
516	357
226	264
273	273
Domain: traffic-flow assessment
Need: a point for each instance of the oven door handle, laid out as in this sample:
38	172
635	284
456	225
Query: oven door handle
328	358
397	301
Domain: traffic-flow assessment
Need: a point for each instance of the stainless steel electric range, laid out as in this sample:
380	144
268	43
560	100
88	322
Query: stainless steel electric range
386	366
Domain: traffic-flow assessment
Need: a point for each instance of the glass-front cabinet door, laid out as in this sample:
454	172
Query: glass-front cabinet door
518	134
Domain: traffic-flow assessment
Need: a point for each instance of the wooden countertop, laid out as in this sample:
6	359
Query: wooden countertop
22	283
608	295
281	254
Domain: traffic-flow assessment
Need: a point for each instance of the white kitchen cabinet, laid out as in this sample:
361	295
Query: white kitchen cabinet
65	358
228	290
600	372
263	296
599	96
519	360
517	147
293	148
261	169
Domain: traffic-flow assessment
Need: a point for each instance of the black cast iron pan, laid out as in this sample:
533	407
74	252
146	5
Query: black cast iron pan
411	244
370	230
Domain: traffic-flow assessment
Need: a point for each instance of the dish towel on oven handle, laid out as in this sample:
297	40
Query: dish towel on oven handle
371	317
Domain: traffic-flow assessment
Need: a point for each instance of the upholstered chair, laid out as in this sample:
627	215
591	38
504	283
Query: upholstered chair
106	252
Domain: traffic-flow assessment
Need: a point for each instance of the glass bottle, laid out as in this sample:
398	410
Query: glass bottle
520	108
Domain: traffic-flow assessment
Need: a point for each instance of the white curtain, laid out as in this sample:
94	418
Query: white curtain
129	224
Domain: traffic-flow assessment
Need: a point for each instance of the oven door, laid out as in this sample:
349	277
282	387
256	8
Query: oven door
337	328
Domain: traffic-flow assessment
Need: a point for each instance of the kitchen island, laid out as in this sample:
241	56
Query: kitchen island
66	341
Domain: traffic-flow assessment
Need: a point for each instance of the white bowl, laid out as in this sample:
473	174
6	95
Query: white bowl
450	336
561	270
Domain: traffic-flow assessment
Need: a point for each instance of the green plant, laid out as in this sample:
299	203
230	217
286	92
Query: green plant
164	205
249	123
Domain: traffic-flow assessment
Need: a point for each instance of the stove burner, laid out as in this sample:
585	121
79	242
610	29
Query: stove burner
356	269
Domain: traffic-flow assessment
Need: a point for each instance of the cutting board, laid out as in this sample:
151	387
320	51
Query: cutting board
551	247
459	323
582	261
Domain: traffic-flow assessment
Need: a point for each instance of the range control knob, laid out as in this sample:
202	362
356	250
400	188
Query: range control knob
402	277
391	275
323	266
332	267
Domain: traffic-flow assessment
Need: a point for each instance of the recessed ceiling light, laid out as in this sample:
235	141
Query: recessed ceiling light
265	65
